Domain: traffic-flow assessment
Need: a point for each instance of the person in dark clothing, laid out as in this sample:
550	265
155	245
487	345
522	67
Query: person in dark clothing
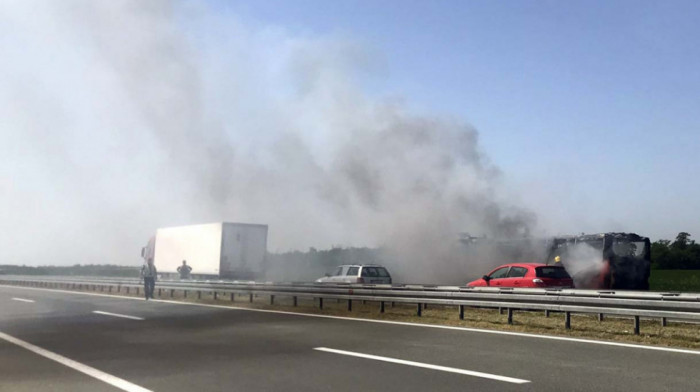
184	270
149	275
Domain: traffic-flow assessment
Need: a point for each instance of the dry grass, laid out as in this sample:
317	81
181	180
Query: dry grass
675	334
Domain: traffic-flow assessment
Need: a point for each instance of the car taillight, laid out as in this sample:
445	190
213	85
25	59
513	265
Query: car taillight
360	280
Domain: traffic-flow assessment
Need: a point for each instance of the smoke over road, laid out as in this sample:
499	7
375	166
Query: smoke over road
119	117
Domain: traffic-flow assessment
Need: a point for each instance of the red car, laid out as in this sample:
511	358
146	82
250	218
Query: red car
525	275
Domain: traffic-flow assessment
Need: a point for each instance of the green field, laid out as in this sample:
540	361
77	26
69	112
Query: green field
675	280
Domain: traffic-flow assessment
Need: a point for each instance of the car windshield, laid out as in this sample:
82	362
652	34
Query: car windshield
352	271
499	273
552	272
517	272
369	271
382	272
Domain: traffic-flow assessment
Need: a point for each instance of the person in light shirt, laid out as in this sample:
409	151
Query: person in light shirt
149	275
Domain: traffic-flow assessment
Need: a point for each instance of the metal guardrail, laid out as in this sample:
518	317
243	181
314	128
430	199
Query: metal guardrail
664	306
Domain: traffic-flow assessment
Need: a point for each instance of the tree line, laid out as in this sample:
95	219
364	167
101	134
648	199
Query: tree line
72	270
683	253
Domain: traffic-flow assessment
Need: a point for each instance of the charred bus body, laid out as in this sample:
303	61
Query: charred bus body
604	261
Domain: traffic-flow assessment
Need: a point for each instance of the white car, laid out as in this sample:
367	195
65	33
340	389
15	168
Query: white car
358	273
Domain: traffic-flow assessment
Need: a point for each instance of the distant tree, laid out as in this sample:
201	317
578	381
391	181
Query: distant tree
682	241
660	254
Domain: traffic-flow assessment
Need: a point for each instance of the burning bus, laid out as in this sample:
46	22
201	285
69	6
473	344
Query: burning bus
604	261
595	261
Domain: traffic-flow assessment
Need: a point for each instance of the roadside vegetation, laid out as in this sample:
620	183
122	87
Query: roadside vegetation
675	280
73	270
683	253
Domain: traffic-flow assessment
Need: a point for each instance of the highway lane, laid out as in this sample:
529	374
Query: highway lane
187	347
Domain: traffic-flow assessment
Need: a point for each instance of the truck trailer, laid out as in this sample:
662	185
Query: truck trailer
224	250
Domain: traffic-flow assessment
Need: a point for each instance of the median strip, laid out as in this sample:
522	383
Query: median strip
90	371
118	315
425	366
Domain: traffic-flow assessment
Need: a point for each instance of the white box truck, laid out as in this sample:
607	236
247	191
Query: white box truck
226	250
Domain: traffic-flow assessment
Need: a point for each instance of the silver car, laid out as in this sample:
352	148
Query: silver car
358	273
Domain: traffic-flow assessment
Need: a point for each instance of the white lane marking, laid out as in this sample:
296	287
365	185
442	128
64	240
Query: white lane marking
466	329
22	300
118	315
426	366
90	371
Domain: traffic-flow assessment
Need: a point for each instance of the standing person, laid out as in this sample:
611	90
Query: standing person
184	270
149	275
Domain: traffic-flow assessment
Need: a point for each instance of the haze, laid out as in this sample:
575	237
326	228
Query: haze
355	124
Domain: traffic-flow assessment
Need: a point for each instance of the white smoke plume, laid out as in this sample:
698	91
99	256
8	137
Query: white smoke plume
119	117
584	263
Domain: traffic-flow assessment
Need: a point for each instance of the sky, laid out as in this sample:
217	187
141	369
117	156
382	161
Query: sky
351	123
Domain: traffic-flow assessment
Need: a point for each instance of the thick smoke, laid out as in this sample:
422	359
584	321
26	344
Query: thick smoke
584	263
120	117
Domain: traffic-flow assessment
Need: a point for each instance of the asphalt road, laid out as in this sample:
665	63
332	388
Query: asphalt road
167	346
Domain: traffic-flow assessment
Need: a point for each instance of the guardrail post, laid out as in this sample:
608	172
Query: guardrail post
510	316
392	304
600	317
172	293
137	291
110	289
636	325
251	298
349	305
216	296
381	306
546	313
663	321
233	297
320	303
567	320
272	299
500	310
420	310
160	292
461	312
199	294
295	301
127	289
184	293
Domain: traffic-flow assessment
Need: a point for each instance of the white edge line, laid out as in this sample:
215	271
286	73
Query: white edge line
426	366
90	371
466	329
22	300
118	315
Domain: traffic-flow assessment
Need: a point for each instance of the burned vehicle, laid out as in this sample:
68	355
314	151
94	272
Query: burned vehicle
616	261
604	261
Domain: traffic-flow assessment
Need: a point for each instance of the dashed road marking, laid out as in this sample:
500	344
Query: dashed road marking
90	371
23	300
118	315
426	366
